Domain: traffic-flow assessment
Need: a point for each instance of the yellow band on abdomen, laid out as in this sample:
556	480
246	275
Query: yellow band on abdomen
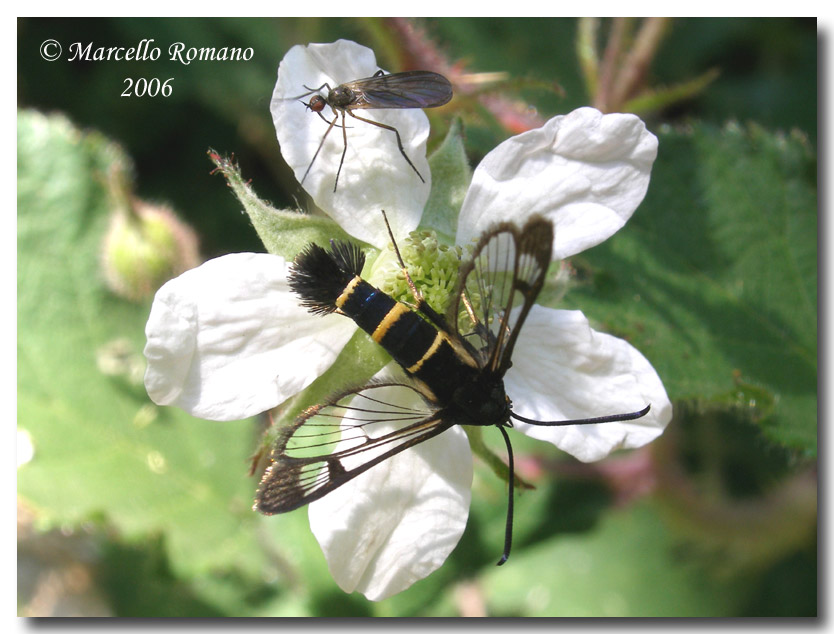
341	299
432	349
389	320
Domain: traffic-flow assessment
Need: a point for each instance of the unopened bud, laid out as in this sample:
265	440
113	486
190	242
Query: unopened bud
144	248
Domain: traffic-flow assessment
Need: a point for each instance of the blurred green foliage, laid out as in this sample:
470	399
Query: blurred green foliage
714	280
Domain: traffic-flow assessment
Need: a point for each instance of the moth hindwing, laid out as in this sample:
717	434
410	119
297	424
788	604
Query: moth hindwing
331	443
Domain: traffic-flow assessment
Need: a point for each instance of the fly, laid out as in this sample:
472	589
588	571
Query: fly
410	89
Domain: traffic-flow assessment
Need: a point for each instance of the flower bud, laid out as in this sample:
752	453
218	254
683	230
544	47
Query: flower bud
146	246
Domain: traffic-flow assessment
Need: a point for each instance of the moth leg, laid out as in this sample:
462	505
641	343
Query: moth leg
469	310
508	528
420	303
478	327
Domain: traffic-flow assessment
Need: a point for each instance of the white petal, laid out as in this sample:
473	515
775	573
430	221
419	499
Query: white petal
229	339
585	171
564	370
375	175
397	522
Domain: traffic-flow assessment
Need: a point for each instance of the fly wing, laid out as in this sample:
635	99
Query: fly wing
498	287
411	89
335	441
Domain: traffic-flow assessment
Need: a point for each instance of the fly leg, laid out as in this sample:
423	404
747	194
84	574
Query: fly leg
330	127
396	132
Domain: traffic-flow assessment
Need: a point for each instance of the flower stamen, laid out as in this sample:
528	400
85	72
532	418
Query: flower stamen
432	266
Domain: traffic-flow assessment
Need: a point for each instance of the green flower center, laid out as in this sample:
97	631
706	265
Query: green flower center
432	266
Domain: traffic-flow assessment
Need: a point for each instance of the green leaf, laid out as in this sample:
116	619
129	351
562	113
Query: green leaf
101	449
627	565
714	277
654	99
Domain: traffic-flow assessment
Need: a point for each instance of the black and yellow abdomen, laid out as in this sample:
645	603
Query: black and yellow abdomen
329	281
422	350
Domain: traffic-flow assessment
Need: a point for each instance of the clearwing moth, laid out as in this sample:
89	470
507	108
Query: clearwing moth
455	364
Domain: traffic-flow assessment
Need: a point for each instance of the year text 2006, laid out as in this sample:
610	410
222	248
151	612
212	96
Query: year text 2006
152	87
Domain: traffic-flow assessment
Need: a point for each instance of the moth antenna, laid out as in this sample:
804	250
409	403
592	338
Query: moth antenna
613	418
319	275
418	296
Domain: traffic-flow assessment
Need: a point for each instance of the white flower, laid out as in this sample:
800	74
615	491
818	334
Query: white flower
228	339
370	149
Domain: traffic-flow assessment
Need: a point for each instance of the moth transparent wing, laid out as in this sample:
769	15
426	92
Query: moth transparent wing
335	441
498	287
411	89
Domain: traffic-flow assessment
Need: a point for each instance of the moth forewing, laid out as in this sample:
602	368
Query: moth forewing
499	285
332	443
534	251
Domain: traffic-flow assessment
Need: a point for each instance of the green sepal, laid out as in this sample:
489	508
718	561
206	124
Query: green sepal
451	176
284	232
